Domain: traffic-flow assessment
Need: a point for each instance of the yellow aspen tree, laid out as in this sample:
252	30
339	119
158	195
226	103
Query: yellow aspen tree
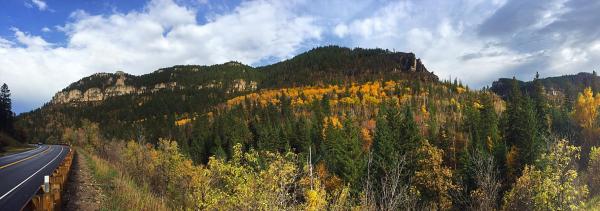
586	108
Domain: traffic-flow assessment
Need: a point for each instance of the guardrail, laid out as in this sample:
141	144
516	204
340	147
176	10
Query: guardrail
49	195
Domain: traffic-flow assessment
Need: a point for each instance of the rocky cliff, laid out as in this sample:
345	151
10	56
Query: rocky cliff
116	85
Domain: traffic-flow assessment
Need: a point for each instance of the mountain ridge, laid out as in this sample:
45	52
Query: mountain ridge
566	87
320	65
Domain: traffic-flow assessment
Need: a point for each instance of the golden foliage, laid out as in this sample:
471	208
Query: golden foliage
552	185
367	139
330	181
183	121
586	108
434	179
370	93
594	171
512	162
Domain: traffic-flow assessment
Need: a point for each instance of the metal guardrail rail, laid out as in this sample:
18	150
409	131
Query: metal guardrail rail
49	195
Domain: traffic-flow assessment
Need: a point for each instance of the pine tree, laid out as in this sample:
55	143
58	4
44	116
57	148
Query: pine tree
6	114
200	136
335	155
300	139
522	128
217	148
489	122
385	155
353	162
541	106
409	137
472	124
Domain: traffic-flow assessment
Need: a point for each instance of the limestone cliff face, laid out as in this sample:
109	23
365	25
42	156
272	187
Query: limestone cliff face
240	85
117	87
96	94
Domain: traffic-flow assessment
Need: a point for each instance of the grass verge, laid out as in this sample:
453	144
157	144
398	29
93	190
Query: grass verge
8	145
122	192
15	149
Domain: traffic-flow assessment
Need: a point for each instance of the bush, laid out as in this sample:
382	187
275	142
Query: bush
552	184
593	171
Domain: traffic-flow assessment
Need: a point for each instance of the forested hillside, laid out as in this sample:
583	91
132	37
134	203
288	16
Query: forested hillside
129	106
334	128
565	87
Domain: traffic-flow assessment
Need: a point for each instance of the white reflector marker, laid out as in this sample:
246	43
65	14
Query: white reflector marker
46	183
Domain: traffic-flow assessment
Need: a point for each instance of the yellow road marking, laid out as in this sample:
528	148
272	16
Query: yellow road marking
24	159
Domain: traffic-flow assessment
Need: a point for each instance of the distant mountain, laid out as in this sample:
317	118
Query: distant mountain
118	99
333	64
567	86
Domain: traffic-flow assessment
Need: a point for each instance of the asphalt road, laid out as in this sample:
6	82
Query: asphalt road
22	174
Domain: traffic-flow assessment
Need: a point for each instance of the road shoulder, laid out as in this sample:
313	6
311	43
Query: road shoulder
83	192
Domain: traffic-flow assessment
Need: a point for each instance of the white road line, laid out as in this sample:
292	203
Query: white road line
11	190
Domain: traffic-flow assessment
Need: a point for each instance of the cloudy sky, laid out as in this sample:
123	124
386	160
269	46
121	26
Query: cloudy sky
47	44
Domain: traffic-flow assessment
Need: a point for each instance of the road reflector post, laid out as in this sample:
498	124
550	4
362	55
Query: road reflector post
46	184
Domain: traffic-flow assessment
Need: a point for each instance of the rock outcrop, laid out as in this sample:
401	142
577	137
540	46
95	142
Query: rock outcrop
119	87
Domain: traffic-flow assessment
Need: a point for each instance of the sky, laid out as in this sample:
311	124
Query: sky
47	44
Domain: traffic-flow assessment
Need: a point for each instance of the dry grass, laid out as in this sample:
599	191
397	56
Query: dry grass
123	193
11	145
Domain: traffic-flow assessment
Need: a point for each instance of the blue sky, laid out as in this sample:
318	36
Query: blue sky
47	44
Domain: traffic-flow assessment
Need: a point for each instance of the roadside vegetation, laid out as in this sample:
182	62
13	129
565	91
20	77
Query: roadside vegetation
11	145
122	193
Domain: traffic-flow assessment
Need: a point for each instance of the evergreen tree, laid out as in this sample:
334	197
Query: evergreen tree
521	131
300	139
409	137
354	163
541	106
385	155
234	130
472	124
200	136
489	123
6	114
217	148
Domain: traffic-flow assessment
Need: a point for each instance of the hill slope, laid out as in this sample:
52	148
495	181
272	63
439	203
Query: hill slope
565	87
117	100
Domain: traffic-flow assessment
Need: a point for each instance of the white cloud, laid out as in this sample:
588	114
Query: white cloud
162	34
341	30
46	29
4	43
40	4
442	35
29	41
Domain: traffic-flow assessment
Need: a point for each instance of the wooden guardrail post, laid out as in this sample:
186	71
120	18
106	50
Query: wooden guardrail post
49	195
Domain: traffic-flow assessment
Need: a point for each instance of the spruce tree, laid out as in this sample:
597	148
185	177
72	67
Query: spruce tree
472	124
409	136
541	106
513	105
385	155
200	135
353	162
300	139
489	122
522	128
6	114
